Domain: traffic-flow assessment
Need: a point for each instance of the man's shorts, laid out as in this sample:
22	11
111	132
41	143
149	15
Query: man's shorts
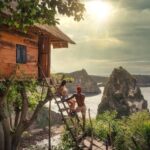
81	109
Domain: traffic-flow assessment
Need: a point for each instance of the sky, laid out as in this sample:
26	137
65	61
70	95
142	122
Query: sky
113	33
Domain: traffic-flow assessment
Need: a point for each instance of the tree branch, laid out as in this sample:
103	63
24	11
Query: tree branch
3	101
39	106
17	114
25	103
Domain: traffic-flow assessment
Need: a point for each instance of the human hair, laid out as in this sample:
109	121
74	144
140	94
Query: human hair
79	89
63	82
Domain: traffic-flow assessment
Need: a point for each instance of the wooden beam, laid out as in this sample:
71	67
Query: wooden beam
60	45
6	44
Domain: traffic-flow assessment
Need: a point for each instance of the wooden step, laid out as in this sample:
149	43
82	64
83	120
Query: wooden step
64	109
59	102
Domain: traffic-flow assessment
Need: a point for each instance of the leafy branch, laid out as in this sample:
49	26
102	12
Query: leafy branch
24	13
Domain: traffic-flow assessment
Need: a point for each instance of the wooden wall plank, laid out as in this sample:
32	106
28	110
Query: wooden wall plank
18	39
20	71
8	56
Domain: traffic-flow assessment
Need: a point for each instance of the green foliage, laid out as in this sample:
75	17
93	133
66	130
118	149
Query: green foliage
128	133
99	130
58	77
133	132
28	12
66	142
146	132
103	125
34	93
108	117
2	87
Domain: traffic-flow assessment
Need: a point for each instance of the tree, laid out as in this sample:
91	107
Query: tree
18	98
15	96
23	13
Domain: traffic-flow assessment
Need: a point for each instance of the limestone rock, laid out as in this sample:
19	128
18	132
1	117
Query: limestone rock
84	80
122	94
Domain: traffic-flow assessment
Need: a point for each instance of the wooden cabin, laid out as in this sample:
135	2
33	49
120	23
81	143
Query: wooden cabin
25	55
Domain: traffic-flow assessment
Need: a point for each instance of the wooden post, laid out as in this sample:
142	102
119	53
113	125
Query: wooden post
49	58
49	124
106	145
91	129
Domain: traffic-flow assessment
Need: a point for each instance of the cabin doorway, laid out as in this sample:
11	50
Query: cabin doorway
44	56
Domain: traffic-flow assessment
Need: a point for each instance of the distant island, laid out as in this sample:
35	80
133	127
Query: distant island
83	76
90	83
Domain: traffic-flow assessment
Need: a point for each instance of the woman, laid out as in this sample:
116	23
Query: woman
62	90
63	93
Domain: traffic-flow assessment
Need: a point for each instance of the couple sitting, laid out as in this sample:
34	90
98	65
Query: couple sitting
79	99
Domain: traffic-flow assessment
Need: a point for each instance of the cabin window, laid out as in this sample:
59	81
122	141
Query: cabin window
21	54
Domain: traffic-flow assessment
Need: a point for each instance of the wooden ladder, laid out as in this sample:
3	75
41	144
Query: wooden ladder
72	123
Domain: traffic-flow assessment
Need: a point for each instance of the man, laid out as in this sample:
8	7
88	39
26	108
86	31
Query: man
80	97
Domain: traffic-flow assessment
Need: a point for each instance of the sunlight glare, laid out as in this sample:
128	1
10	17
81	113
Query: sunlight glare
100	10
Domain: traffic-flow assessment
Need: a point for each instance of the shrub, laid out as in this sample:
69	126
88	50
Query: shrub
66	142
128	133
133	132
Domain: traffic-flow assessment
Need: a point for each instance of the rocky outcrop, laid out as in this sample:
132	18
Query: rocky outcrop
84	80
42	122
142	80
122	94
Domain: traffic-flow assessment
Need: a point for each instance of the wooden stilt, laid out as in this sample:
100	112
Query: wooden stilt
50	125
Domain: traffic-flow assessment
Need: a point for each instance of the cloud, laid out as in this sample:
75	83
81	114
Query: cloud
132	4
121	41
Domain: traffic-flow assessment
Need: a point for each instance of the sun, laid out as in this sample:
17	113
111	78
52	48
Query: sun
99	9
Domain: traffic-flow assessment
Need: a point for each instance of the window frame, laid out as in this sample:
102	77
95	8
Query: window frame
21	54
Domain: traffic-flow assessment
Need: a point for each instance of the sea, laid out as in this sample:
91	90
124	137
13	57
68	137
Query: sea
93	101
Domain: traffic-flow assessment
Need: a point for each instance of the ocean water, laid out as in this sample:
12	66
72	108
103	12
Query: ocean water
92	102
146	93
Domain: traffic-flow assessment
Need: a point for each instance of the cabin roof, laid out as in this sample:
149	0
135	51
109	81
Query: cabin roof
56	32
60	40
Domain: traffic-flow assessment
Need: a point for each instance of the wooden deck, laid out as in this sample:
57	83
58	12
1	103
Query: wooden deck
97	145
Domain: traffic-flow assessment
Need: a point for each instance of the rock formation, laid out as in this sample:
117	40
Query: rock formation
122	94
84	80
142	80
